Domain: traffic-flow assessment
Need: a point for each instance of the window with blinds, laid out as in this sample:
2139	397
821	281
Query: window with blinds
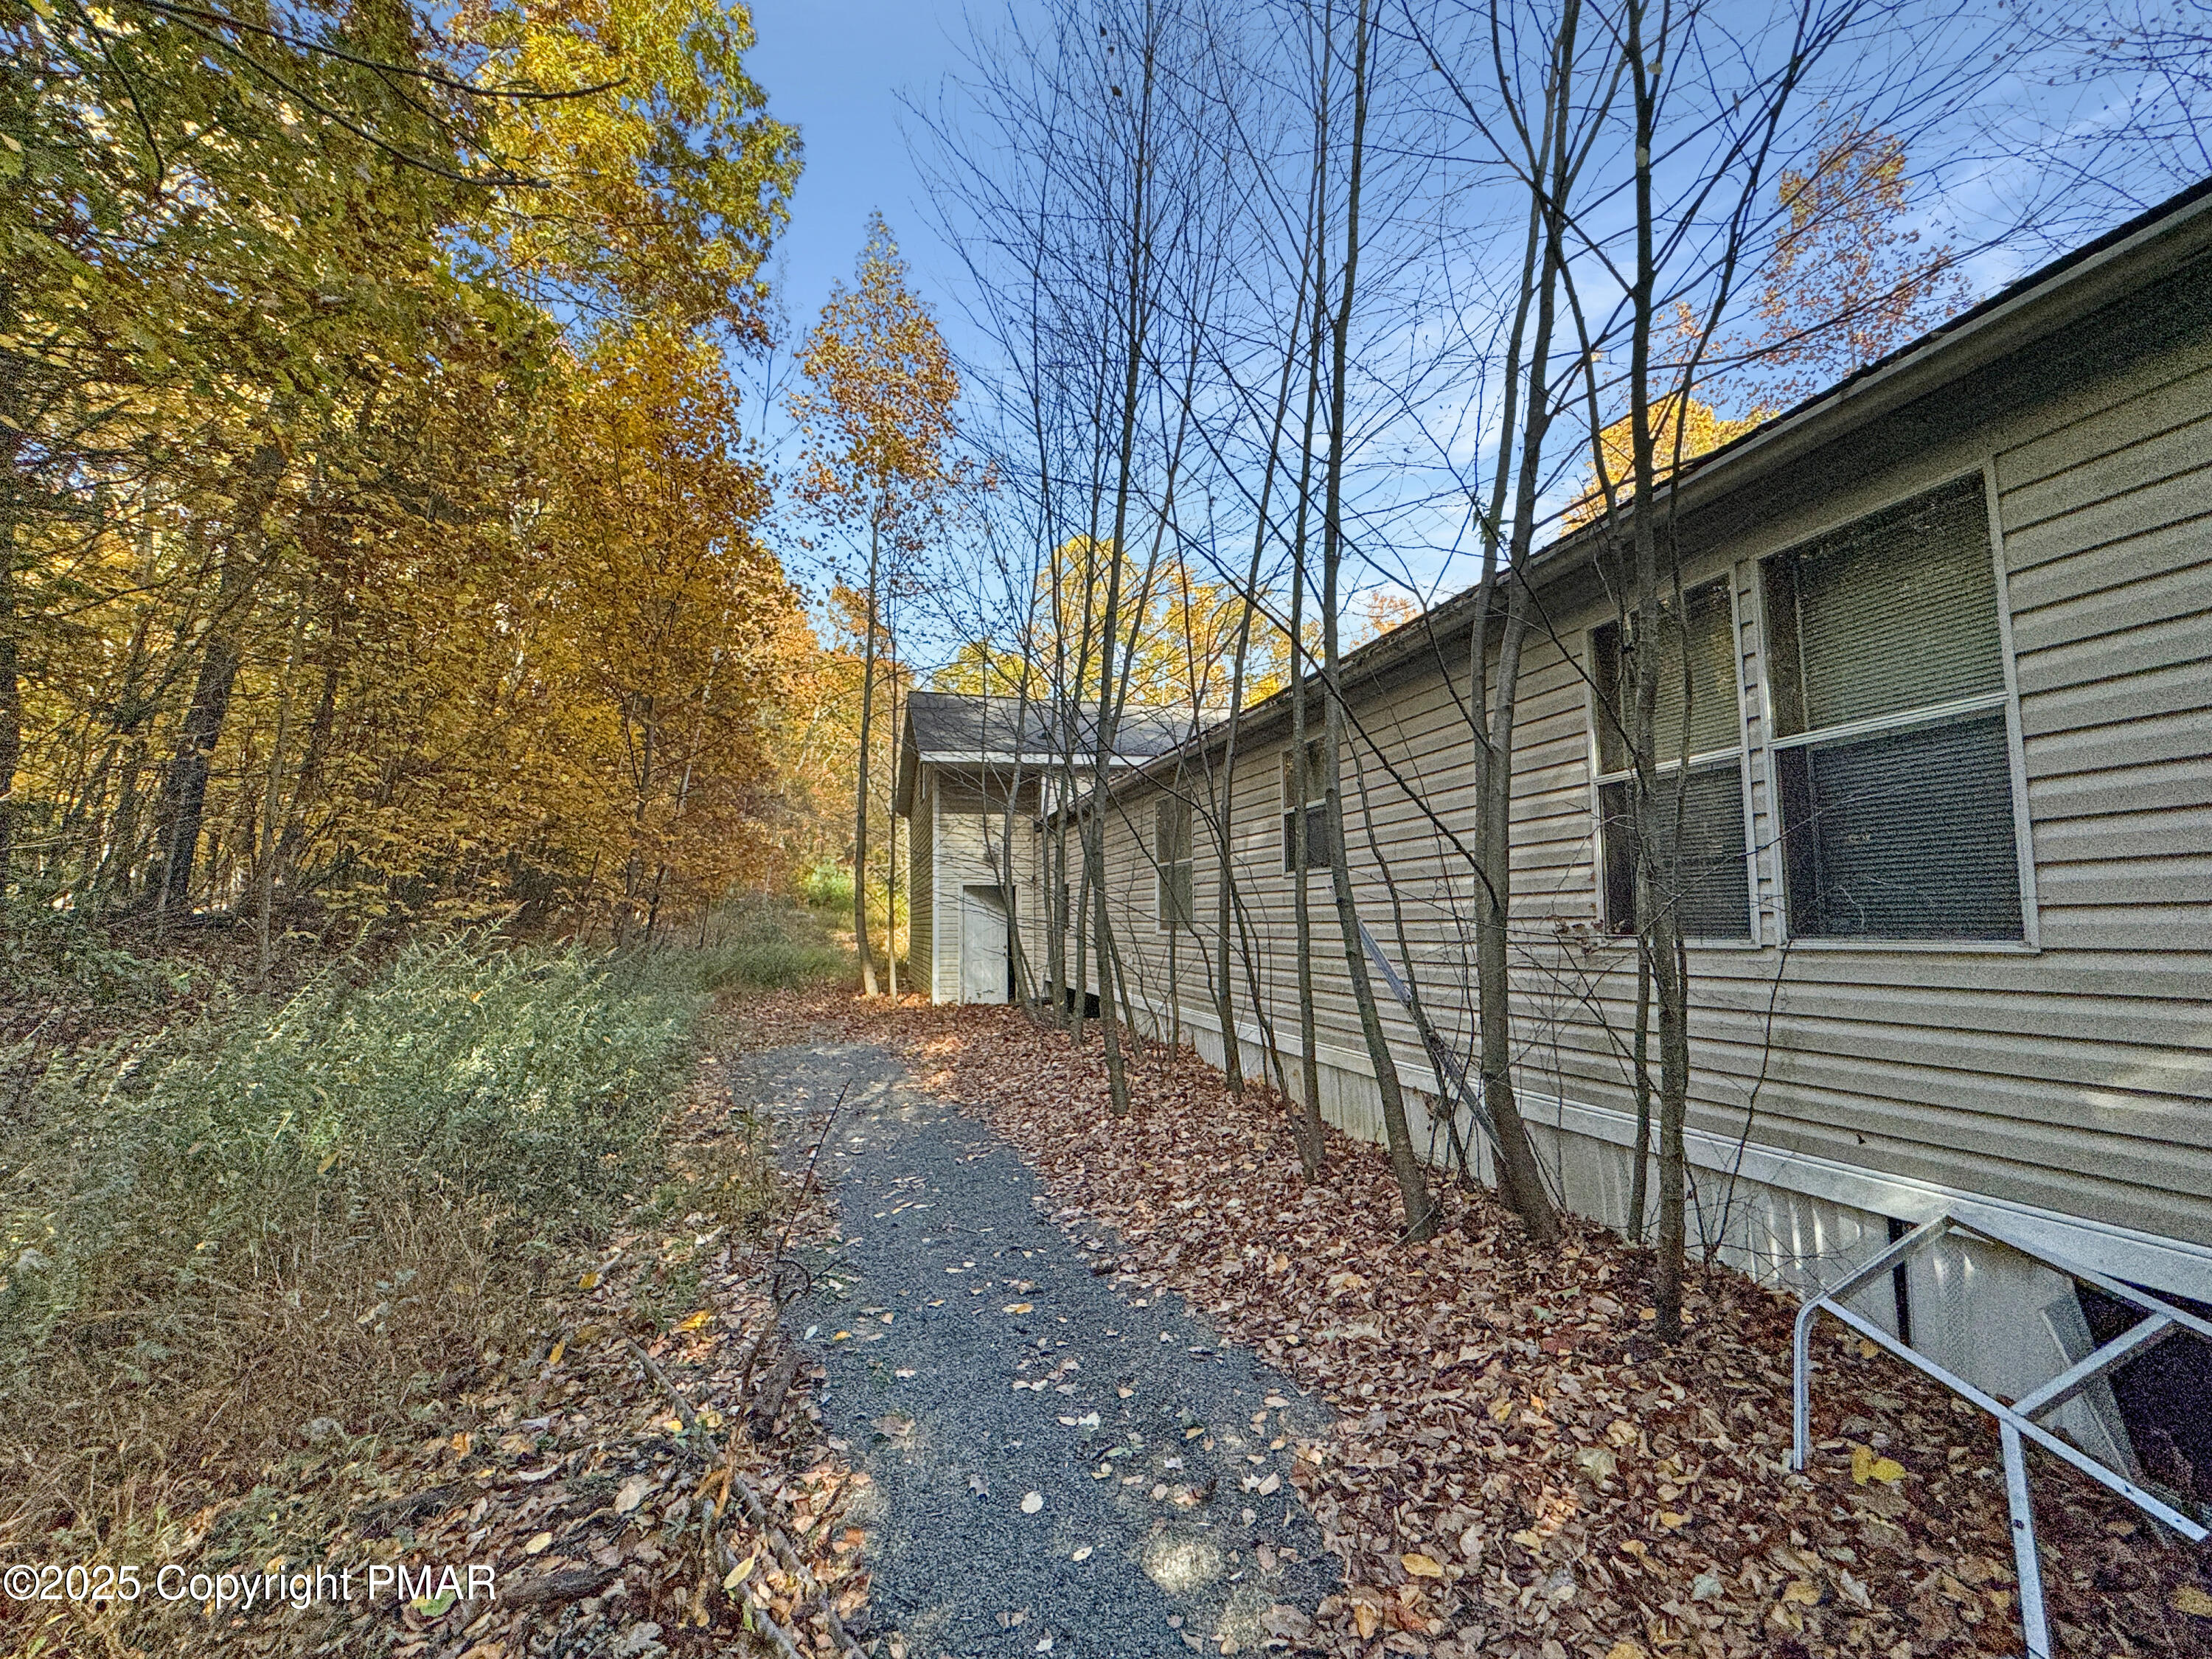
1893	763
1305	793
1172	904
1701	861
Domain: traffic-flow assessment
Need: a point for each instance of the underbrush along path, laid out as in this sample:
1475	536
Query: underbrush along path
1059	1466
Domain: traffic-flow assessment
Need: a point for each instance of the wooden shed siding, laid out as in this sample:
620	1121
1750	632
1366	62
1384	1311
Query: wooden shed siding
2075	1078
921	889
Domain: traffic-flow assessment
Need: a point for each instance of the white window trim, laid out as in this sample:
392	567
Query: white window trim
2023	827
2030	942
1755	938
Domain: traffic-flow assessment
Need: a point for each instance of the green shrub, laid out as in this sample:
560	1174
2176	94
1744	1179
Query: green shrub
755	944
49	954
827	886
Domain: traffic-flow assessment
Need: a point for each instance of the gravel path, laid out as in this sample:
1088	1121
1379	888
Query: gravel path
1101	1509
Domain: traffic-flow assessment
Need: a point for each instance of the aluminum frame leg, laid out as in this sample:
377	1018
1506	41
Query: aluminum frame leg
2033	1625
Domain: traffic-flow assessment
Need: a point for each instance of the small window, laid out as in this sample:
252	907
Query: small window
1171	883
1305	799
1697	736
1892	762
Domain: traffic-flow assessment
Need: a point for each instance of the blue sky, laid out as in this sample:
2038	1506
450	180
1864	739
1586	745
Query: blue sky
836	68
844	71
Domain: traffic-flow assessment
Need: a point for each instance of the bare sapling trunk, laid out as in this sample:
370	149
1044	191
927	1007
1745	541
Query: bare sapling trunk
1405	1162
1527	415
1657	798
890	836
1431	1039
1311	1144
860	789
1639	1181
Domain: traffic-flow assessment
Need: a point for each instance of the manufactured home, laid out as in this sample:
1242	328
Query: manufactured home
1949	804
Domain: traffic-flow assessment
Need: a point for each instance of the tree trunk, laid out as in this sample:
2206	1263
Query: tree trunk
861	791
1405	1164
890	844
273	800
1640	1182
186	792
1311	1143
1521	1180
1660	924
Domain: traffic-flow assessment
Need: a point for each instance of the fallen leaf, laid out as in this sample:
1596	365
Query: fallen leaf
1801	1592
1032	1503
1624	1650
1671	1519
1596	1462
695	1321
1422	1566
1366	1618
1866	1466
633	1493
1016	1308
2191	1601
537	1545
1083	1554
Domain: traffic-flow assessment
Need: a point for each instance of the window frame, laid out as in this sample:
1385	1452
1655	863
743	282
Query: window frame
1317	802
1753	937
1162	868
2007	698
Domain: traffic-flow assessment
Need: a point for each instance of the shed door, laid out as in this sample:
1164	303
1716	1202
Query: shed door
985	972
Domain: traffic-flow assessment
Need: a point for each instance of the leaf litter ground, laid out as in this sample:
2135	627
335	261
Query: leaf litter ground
1512	1465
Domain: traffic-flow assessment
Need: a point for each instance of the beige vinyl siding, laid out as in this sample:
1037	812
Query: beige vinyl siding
963	820
921	889
2072	1074
960	864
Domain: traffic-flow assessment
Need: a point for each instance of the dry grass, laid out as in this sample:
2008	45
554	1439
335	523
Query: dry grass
286	1223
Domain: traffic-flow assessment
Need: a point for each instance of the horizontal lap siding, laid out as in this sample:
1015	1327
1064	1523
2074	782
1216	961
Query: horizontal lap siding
921	891
2075	1078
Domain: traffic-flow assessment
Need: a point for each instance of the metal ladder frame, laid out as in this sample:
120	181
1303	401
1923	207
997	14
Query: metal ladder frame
2016	1423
